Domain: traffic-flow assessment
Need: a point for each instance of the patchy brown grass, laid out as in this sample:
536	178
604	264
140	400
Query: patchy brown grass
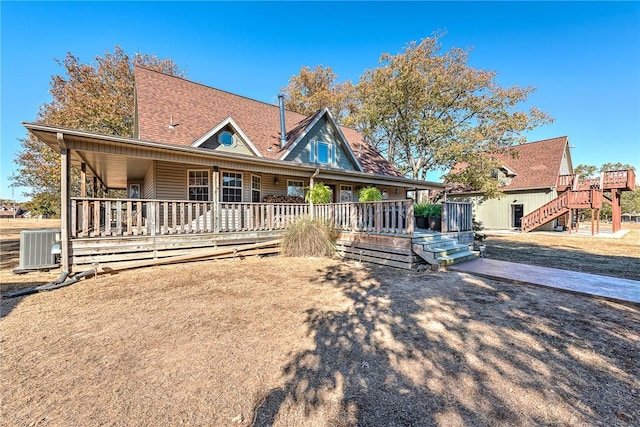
314	342
318	342
598	255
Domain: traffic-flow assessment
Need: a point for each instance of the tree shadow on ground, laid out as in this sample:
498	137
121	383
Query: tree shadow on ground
464	351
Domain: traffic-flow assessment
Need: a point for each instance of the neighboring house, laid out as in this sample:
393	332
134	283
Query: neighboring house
528	181
203	169
541	192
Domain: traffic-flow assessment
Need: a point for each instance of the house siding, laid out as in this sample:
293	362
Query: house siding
148	186
239	145
497	213
322	131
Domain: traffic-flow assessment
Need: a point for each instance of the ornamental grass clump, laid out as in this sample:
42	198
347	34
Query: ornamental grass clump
308	237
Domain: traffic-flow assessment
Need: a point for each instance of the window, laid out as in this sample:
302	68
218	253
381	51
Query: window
295	188
256	186
134	191
322	152
231	187
198	184
225	138
346	193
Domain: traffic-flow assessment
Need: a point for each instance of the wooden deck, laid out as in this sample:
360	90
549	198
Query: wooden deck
112	232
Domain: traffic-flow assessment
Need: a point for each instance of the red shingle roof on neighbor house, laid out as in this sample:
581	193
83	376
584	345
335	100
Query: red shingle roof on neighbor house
537	164
195	109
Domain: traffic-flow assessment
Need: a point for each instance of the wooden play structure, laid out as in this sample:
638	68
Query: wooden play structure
575	193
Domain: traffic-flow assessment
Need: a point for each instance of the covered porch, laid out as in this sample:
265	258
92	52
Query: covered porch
124	199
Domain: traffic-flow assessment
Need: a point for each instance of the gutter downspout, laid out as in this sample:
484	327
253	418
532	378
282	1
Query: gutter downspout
283	129
311	178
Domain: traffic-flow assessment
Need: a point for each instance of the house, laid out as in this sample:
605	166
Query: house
541	190
204	169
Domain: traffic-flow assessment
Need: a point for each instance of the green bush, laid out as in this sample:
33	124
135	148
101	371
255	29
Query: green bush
370	194
308	237
434	210
319	193
421	210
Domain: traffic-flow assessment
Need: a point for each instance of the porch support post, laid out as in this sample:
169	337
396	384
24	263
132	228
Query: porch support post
65	172
83	180
216	211
311	181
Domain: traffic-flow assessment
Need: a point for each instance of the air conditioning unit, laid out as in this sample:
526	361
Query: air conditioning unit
35	249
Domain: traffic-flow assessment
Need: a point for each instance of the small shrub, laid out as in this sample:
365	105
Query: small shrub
318	194
370	194
434	210
477	236
308	237
421	210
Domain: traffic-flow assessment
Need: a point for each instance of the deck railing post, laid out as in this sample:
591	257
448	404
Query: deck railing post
151	220
410	218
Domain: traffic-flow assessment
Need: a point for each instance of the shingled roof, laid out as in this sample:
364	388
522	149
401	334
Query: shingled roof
537	164
195	109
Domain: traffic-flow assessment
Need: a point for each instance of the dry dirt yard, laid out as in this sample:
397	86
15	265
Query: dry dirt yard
315	342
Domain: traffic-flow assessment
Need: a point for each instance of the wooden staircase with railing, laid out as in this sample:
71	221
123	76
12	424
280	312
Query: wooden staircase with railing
576	193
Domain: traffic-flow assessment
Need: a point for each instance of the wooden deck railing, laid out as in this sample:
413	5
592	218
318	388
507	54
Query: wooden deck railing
394	217
618	179
97	217
579	199
457	216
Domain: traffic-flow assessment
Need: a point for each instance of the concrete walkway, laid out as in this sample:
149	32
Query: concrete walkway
569	281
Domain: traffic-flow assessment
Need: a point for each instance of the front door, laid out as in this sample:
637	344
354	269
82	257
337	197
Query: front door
518	211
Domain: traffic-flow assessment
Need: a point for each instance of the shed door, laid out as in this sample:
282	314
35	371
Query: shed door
518	211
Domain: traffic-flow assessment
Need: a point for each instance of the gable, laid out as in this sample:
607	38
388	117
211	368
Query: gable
176	111
227	137
322	140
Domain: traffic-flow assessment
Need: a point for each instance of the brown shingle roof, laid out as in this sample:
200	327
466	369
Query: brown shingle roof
537	164
195	109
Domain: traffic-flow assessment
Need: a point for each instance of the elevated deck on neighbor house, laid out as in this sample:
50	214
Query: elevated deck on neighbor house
577	193
120	232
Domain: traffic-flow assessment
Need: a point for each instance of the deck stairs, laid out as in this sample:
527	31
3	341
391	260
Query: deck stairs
577	193
440	250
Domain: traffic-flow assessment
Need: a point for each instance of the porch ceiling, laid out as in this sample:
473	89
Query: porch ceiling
113	170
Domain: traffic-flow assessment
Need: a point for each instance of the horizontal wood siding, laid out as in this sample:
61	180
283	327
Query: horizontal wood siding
149	187
498	213
322	131
108	250
393	251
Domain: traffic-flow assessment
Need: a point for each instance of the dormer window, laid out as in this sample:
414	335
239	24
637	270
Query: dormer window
225	138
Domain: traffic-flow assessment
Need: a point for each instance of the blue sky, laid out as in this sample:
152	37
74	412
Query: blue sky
584	58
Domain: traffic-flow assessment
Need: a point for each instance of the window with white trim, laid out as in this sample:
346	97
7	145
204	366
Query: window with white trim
295	188
231	187
321	152
346	193
198	184
256	188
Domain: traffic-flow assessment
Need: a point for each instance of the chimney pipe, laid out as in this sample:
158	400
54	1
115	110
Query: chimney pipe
283	129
